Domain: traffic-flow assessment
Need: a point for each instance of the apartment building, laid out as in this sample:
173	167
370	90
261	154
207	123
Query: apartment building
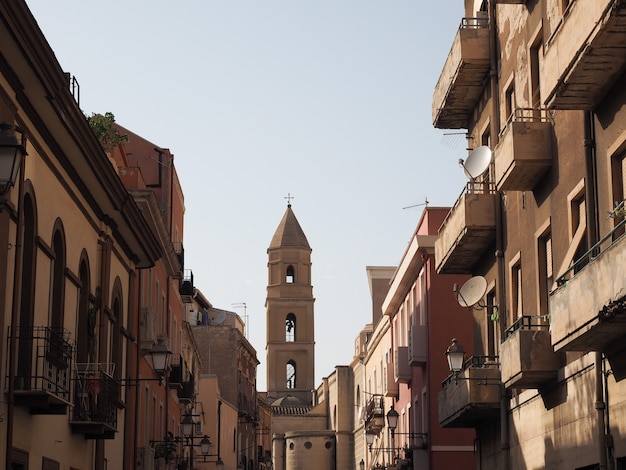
158	403
539	87
423	312
73	245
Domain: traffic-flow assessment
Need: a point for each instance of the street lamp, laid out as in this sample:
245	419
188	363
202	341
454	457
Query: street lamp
361	465
160	357
205	445
455	354
369	438
392	420
187	425
11	154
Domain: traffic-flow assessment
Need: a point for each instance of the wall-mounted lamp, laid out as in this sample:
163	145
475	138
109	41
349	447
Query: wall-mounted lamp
392	420
456	355
361	465
160	355
369	438
11	154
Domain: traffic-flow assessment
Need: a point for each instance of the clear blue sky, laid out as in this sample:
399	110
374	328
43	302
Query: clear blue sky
328	100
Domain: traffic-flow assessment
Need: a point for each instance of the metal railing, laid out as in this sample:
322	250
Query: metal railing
527	322
96	394
474	362
596	250
44	360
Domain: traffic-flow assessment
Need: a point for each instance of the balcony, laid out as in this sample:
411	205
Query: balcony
524	152
585	54
375	414
468	230
418	346
526	356
179	249
186	289
392	390
96	398
473	396
175	379
43	369
401	367
187	391
463	77
592	319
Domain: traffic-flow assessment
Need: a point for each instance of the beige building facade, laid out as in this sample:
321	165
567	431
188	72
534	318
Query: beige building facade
539	86
73	242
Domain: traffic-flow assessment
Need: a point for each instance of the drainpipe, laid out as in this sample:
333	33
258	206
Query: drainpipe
15	308
494	132
219	429
591	196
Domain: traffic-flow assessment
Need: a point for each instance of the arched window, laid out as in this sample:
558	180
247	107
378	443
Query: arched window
290	328
83	330
115	348
291	275
291	375
58	278
27	306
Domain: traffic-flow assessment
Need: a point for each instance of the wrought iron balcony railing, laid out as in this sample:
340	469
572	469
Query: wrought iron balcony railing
43	368
96	399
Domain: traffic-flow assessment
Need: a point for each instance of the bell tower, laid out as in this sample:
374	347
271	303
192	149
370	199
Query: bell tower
290	324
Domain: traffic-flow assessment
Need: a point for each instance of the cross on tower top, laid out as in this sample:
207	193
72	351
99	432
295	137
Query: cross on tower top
289	197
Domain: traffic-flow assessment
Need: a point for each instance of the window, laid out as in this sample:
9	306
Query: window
515	291
534	58
509	102
291	375
290	278
618	173
579	225
577	230
27	299
491	323
545	270
290	328
83	334
57	306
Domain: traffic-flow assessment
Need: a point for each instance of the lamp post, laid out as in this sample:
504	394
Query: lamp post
11	154
392	420
187	426
160	358
369	438
455	354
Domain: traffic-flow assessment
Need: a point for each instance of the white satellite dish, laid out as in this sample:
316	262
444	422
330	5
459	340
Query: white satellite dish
220	318
472	291
477	162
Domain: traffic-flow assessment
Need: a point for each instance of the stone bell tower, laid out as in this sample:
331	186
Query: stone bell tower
289	313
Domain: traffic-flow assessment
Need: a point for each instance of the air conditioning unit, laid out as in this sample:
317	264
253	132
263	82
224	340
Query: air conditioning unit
147	328
418	350
145	458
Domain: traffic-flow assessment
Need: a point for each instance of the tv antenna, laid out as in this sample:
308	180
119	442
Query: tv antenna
245	316
476	163
425	203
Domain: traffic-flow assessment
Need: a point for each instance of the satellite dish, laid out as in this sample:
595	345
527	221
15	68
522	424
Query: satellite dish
220	318
477	162
472	291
